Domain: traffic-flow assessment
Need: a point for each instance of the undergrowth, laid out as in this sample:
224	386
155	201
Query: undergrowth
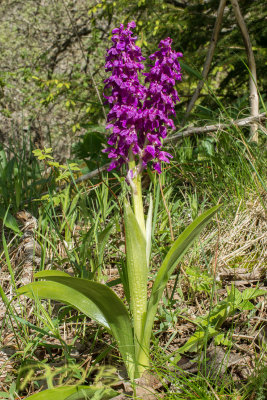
77	228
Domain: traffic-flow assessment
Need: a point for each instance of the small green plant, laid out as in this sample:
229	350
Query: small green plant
200	281
62	172
209	325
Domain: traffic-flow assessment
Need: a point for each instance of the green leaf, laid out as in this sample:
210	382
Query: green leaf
91	144
96	393
72	393
3	158
246	305
178	249
10	221
114	282
95	300
58	292
196	340
252	293
217	315
234	297
102	241
5	395
46	274
35	328
193	342
221	339
190	70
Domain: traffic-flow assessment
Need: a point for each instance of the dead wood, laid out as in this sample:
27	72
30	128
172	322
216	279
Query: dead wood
216	127
206	68
253	97
242	274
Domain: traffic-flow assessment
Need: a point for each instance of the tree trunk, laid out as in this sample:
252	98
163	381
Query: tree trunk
207	64
253	96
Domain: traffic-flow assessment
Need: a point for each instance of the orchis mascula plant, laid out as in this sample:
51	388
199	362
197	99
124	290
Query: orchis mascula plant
139	116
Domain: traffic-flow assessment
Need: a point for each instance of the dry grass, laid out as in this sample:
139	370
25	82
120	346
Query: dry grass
243	242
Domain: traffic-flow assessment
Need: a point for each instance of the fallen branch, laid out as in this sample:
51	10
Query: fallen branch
92	174
212	128
179	135
186	132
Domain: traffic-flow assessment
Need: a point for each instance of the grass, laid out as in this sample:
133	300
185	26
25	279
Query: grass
79	230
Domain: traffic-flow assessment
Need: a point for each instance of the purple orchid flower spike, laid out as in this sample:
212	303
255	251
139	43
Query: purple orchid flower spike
139	116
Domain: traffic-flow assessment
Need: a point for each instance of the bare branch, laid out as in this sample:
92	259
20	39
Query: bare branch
212	128
253	97
92	174
58	48
206	68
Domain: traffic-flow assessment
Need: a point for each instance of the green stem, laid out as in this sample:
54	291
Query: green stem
137	200
137	274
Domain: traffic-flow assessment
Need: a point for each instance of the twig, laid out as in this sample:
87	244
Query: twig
210	54
240	348
237	335
212	128
253	97
91	174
